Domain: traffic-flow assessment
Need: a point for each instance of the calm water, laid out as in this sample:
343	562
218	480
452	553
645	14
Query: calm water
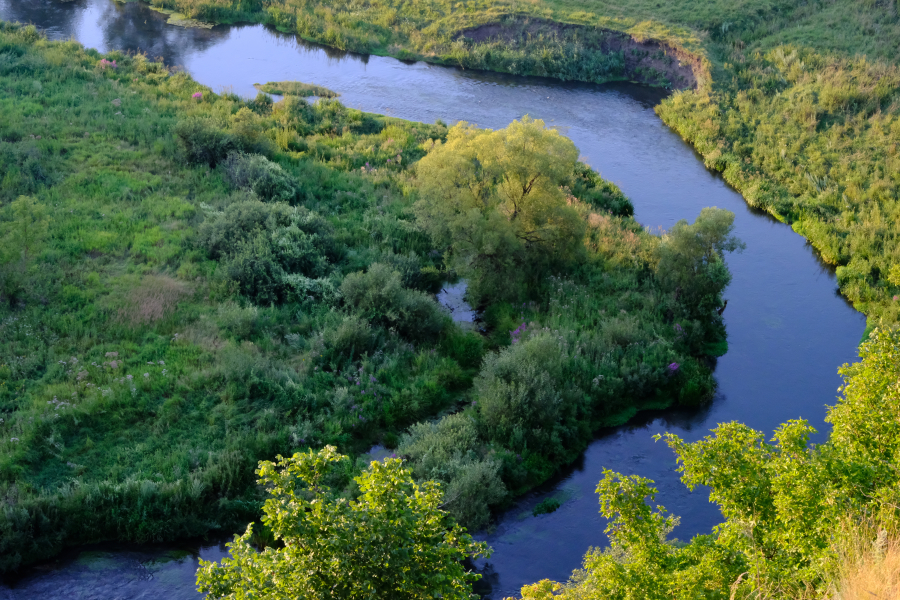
788	329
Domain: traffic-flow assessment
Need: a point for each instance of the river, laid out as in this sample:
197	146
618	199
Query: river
788	328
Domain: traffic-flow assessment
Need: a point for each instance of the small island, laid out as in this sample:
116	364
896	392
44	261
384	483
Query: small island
295	88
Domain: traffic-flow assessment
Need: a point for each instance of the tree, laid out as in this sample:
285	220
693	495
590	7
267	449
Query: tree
692	267
499	201
394	541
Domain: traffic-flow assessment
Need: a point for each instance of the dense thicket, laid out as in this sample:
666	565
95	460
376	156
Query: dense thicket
192	283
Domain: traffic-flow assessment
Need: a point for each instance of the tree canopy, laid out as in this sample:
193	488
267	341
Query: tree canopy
500	201
393	541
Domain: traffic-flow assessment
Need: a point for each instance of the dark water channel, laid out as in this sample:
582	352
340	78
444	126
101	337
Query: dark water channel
788	329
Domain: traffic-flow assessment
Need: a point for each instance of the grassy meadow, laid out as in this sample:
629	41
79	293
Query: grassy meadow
193	282
797	104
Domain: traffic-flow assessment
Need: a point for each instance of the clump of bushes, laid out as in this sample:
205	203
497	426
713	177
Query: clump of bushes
379	295
450	451
259	175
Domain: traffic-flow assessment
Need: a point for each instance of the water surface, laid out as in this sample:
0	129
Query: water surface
788	328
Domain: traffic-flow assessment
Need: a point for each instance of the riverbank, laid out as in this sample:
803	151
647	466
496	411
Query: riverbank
150	295
796	105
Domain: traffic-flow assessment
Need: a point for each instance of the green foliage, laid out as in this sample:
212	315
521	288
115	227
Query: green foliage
172	325
393	541
495	199
691	264
784	501
380	297
546	506
295	88
449	451
203	143
259	175
599	193
22	231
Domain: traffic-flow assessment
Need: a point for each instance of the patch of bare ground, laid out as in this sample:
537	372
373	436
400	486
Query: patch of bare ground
155	297
645	61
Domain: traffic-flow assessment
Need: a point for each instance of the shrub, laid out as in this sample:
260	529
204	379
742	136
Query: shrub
350	338
449	451
203	143
258	174
522	398
465	347
255	267
589	187
379	295
222	232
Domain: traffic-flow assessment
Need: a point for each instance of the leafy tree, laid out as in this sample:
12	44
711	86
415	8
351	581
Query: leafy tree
498	200
692	266
394	541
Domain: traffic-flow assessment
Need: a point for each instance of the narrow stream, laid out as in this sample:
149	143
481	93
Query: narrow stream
788	328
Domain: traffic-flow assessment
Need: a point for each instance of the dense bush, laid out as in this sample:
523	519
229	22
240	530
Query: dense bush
379	295
449	451
258	174
203	143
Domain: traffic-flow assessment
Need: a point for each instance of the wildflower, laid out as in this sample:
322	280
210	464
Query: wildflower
146	375
673	367
678	328
895	298
105	64
372	379
14	439
129	377
162	363
197	95
114	364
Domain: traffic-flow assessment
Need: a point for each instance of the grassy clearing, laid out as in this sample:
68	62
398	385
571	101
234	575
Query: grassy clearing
195	282
295	88
798	105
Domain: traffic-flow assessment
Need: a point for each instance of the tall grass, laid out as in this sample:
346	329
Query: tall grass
868	563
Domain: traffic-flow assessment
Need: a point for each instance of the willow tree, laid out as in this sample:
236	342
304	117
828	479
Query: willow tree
499	201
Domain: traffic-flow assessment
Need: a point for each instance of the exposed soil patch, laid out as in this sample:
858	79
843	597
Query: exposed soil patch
650	62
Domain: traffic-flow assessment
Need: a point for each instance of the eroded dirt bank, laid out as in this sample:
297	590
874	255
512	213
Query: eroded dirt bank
644	61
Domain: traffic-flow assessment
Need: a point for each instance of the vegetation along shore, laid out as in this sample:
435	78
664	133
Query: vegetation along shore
194	282
796	104
246	279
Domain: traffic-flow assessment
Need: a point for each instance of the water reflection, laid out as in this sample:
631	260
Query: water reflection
788	330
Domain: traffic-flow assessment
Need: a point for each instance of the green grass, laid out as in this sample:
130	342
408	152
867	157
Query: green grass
295	88
166	324
797	104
